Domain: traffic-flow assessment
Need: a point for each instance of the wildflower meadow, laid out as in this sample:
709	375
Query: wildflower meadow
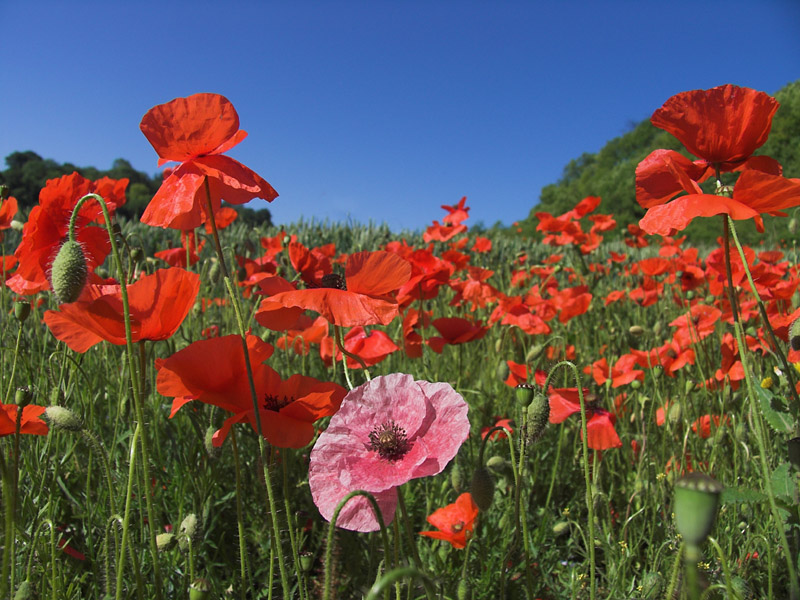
197	408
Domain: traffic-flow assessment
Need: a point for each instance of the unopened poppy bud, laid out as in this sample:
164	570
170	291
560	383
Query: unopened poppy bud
25	591
23	396
560	528
17	225
538	416
674	414
208	441
165	541
688	387
524	393
636	330
696	500
62	418
652	583
792	226
690	295
496	463
22	310
188	530
137	254
200	589
482	488
68	273
635	384
502	370
462	591
457	478
794	335
534	353
658	327
214	272
498	345
4	192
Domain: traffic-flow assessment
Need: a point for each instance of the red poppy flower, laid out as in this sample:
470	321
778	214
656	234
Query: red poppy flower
456	213
497	434
455	522
195	131
361	297
214	372
8	209
370	346
48	225
30	423
176	257
455	330
443	232
599	425
722	126
158	305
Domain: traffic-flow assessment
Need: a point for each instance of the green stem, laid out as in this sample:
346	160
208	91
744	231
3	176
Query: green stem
586	474
127	517
240	518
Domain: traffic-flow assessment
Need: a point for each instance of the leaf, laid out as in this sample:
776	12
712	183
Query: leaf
783	485
742	495
780	422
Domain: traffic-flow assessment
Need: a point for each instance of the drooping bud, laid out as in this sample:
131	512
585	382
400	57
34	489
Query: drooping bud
208	441
165	541
794	451
482	488
794	335
68	273
534	353
538	417
502	370
188	530
62	418
636	330
457	478
696	500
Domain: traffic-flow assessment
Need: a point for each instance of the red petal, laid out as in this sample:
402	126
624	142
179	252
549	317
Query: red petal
678	213
376	273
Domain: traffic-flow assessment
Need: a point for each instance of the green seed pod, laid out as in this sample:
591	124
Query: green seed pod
538	415
23	396
635	384
696	500
502	370
22	310
68	273
165	541
534	353
482	488
524	393
62	418
306	561
200	589
690	294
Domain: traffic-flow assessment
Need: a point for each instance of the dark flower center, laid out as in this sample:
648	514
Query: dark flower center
272	402
389	441
333	280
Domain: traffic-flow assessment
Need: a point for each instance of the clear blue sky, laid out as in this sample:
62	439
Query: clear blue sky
380	110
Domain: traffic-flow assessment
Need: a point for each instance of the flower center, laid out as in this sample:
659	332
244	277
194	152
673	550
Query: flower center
276	403
389	441
333	280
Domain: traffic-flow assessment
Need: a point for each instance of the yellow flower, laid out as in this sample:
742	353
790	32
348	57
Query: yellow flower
766	383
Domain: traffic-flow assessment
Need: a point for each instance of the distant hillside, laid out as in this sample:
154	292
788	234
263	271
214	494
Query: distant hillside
27	173
610	173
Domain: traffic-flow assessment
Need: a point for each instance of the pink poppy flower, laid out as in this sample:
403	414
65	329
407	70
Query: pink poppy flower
387	431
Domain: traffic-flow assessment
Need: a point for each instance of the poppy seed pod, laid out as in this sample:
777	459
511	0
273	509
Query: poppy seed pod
524	392
23	396
199	589
482	488
538	417
696	501
22	310
68	273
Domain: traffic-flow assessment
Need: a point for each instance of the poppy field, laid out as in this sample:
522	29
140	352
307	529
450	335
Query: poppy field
195	408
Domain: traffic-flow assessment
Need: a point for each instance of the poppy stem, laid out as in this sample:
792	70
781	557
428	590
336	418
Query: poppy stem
134	375
727	252
240	518
273	508
586	474
410	538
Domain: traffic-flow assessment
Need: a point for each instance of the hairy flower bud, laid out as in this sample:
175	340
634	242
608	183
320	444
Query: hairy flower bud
482	488
62	418
69	271
538	413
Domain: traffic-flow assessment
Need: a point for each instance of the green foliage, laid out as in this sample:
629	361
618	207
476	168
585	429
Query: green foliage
610	173
27	173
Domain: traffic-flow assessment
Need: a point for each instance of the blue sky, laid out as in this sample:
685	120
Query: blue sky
380	110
